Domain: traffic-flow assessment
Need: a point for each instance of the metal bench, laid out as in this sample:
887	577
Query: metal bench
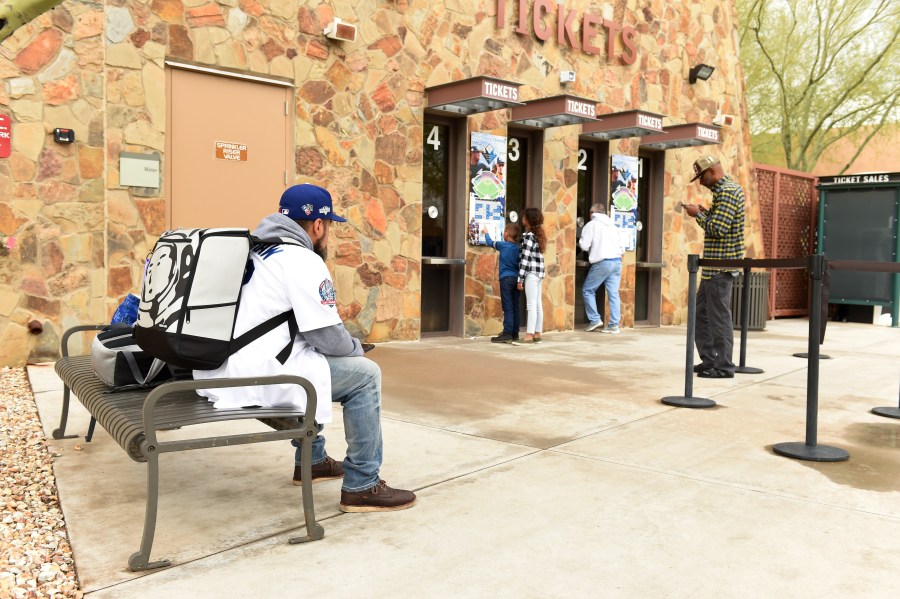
132	418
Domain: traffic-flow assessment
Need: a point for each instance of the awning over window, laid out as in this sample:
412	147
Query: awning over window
633	123
474	95
554	112
683	136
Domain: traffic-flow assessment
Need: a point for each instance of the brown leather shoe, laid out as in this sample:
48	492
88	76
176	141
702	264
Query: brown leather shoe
327	470
380	498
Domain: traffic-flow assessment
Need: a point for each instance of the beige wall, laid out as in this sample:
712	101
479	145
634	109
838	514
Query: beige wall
81	238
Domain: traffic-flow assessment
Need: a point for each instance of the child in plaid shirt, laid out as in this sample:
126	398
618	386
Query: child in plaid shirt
531	271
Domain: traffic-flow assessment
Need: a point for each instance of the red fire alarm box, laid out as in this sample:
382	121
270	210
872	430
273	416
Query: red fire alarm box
5	136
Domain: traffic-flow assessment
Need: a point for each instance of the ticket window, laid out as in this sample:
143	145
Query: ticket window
523	181
443	216
648	248
517	157
593	187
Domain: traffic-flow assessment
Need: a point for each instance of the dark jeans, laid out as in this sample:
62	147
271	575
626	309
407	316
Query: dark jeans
509	299
714	332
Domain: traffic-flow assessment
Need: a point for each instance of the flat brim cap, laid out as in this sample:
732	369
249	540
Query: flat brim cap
703	163
308	202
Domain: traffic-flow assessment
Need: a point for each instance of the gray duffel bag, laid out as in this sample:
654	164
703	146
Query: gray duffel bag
119	362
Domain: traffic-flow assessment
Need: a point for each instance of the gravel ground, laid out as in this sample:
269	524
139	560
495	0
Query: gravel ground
35	556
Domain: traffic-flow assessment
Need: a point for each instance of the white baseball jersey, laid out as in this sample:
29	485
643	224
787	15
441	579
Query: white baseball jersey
284	277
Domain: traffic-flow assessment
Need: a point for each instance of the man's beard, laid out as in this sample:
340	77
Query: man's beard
321	251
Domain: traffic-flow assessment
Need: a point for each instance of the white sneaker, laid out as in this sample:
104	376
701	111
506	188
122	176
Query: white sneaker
612	330
594	326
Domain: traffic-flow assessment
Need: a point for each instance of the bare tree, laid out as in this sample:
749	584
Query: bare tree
820	70
15	13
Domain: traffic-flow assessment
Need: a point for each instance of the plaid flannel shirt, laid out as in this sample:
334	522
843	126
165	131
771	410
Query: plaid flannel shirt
531	260
723	225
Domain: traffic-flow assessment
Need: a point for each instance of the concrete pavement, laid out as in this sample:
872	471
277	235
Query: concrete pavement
542	471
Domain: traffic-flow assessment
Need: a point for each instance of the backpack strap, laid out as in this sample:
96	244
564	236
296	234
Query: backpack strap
264	327
155	368
274	241
276	321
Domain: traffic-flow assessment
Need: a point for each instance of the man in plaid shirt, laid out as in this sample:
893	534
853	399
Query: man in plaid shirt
723	227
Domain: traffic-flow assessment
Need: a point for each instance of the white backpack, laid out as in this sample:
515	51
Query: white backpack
190	296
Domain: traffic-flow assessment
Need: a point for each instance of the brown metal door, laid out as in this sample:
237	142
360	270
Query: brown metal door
228	147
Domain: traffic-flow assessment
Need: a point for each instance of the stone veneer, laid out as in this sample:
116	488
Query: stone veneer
98	68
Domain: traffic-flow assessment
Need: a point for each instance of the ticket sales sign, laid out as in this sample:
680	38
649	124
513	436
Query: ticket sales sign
5	136
860	179
227	150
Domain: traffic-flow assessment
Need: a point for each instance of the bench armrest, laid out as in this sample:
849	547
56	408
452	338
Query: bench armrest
77	329
175	386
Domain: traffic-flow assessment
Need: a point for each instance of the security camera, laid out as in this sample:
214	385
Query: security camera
723	120
338	30
566	76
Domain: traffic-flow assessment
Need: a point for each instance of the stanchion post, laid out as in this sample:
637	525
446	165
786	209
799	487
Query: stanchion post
693	267
806	355
687	401
810	450
888	412
742	367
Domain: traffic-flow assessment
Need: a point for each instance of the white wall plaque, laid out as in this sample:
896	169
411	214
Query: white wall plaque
138	170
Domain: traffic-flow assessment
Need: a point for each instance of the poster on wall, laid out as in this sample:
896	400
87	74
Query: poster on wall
623	196
626	224
487	187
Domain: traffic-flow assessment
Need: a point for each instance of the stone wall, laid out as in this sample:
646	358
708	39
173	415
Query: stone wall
52	196
98	68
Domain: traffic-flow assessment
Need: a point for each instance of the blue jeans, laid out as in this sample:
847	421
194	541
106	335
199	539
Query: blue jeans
509	299
605	272
356	384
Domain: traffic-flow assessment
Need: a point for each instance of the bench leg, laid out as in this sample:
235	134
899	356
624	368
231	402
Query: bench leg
141	560
314	531
60	433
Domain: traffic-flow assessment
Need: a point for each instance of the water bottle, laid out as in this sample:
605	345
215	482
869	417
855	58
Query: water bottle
127	312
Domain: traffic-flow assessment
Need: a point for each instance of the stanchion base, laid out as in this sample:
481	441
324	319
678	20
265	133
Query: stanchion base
889	412
688	402
813	453
748	370
806	356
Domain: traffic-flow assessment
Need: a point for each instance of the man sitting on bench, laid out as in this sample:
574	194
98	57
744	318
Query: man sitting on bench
295	277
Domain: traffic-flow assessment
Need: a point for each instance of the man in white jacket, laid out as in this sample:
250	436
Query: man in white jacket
601	240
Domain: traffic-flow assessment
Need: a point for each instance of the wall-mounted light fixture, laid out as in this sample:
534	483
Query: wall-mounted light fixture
701	71
341	31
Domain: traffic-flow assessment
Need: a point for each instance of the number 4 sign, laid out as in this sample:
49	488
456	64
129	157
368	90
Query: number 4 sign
434	138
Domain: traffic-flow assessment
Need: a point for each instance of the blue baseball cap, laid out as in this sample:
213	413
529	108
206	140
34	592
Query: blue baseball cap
307	202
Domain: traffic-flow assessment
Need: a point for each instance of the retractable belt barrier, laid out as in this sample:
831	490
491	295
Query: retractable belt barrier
817	267
694	264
